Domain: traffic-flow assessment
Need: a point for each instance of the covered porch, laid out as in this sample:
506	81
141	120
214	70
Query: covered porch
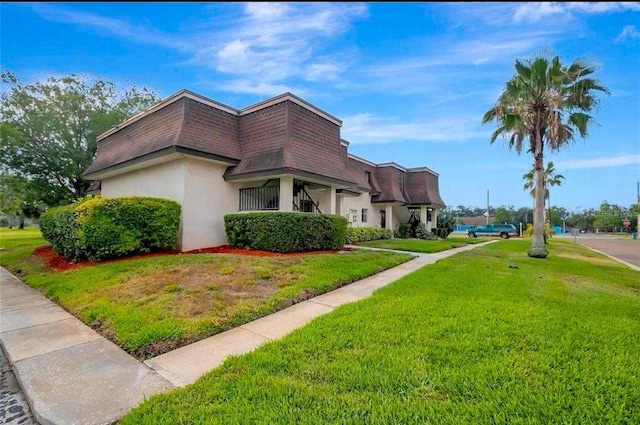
288	193
393	214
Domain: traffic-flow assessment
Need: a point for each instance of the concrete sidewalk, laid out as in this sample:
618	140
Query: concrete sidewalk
185	365
69	373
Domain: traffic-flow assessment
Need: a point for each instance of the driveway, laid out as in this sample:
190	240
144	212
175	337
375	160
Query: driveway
626	250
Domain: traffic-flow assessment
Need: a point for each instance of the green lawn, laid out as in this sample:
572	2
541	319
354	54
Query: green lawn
420	245
466	340
152	305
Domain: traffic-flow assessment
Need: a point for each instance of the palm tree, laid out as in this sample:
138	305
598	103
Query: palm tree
549	179
542	106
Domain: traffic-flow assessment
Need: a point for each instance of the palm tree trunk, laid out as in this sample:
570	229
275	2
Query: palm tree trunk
549	201
538	248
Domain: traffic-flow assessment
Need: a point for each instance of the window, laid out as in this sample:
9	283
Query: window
401	181
365	212
368	174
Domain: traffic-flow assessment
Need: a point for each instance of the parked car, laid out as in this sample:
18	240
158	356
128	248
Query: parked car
503	230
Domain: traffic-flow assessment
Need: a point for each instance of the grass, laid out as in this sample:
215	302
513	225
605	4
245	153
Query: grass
487	336
152	305
420	245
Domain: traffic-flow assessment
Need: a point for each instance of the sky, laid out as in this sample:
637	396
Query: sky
410	81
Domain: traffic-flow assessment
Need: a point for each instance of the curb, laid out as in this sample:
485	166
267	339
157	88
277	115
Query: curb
626	263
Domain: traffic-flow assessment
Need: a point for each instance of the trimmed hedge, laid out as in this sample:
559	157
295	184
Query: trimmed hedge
441	232
99	228
285	231
363	234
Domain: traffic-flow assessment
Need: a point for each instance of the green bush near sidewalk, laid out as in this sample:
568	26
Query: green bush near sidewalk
98	228
363	234
285	231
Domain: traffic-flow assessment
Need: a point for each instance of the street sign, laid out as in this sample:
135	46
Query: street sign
626	223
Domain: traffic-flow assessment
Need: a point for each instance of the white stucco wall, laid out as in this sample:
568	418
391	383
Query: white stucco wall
163	180
207	198
198	185
358	203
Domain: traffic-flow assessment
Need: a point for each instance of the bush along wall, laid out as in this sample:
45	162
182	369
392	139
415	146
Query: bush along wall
98	228
363	234
285	231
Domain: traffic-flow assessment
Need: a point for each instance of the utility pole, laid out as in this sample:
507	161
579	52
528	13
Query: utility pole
487	206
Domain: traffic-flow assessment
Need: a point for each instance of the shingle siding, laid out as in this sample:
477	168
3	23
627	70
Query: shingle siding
262	137
152	133
314	144
210	130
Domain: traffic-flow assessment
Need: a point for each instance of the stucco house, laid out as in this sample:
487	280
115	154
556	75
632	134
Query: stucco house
282	154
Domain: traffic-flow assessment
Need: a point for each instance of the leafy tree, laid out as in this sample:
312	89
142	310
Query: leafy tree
19	199
542	106
502	215
608	216
549	179
49	128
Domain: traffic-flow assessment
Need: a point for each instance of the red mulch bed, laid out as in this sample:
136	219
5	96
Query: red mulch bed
57	262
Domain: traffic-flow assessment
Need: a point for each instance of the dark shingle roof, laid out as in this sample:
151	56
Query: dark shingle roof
287	138
422	188
184	123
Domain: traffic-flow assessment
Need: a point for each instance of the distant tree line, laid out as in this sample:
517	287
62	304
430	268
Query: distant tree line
607	218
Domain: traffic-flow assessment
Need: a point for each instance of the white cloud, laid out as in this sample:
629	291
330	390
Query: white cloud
273	41
121	28
611	161
265	45
536	11
628	32
260	88
371	129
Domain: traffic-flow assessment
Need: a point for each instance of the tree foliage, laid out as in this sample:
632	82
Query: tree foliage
49	129
18	199
549	180
542	107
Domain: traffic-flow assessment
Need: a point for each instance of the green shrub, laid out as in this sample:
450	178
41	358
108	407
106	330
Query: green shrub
285	231
548	231
441	232
404	231
363	234
99	228
421	232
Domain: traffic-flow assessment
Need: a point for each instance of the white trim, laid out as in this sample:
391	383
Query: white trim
364	161
212	103
418	169
173	98
392	164
290	97
103	174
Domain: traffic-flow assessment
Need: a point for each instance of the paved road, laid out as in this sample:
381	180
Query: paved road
626	250
13	406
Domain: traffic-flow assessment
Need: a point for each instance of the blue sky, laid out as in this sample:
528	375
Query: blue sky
410	81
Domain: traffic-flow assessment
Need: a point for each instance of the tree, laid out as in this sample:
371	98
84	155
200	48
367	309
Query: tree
49	129
609	216
549	179
542	106
502	215
19	199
